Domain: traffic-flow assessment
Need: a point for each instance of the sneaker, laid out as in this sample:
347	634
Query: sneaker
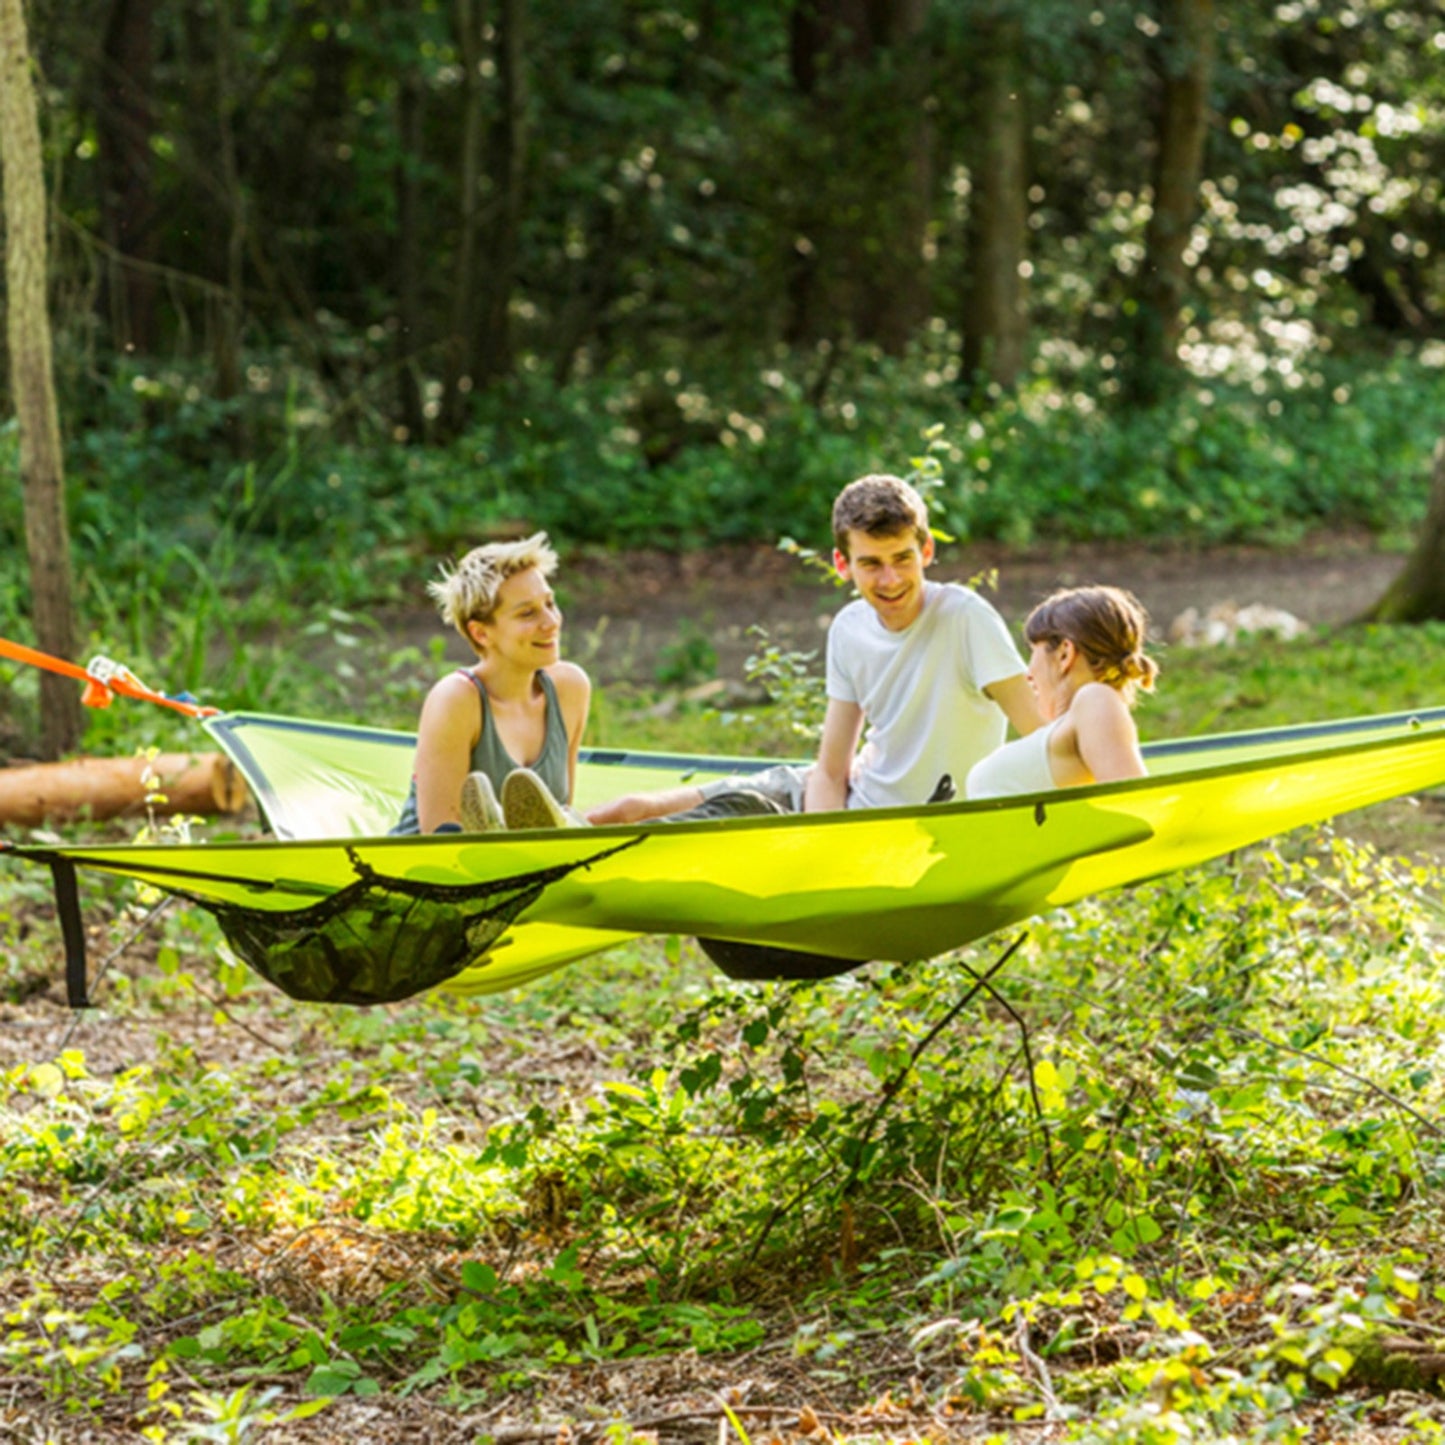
481	813
527	802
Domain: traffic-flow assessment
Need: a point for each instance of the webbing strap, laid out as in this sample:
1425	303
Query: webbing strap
72	930
102	678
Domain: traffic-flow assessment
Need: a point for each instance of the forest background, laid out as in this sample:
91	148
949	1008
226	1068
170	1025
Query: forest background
339	289
340	281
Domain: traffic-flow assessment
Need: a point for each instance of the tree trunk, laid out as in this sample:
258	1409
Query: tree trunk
858	236
174	783
995	323
461	349
124	124
32	381
1187	54
408	257
894	291
1418	593
508	170
226	339
580	320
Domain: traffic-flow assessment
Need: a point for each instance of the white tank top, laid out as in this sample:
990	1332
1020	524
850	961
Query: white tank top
1021	766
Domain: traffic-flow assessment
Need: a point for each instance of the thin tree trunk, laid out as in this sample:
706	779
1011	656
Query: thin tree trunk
461	350
894	292
124	123
408	257
858	242
1418	593
32	380
995	325
494	359
227	338
802	315
580	320
1188	64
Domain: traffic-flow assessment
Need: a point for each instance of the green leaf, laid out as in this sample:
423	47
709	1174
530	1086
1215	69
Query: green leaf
337	1378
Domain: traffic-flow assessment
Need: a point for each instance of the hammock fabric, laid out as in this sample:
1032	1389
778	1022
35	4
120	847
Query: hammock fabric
333	912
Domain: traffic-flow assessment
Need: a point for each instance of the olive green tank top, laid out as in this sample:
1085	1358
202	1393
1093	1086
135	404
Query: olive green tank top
489	756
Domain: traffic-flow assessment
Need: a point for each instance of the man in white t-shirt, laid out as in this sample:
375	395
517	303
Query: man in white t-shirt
928	667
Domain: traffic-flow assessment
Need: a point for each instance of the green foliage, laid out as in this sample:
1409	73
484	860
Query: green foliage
1186	1100
701	180
1351	671
1176	1168
1224	461
1159	1120
688	659
158	533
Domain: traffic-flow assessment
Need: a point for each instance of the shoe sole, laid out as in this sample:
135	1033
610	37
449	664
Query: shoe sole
480	811
527	804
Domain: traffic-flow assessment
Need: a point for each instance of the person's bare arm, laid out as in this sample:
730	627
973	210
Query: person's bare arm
1105	735
1016	698
827	785
574	697
448	731
639	807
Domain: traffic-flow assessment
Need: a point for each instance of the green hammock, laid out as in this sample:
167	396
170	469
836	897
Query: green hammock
333	912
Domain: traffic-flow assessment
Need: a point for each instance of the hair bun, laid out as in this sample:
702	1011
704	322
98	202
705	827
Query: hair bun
1140	668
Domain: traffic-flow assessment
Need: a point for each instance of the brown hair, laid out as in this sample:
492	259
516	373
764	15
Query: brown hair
468	591
1106	624
879	505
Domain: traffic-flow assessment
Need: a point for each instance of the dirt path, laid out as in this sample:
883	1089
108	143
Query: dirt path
637	617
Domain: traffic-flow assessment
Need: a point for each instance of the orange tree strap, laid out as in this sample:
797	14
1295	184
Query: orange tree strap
102	679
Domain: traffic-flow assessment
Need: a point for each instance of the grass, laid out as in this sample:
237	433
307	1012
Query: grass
1345	672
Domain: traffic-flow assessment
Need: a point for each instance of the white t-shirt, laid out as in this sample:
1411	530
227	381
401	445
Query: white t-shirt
921	691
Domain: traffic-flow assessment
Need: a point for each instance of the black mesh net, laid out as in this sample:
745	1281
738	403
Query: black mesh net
379	939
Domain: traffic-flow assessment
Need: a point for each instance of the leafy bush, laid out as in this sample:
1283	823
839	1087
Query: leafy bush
193	565
1182	1125
165	518
1340	445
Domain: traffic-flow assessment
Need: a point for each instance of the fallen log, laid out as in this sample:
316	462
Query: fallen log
201	783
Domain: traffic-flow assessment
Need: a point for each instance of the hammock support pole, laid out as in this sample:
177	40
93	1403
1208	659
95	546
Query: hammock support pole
72	930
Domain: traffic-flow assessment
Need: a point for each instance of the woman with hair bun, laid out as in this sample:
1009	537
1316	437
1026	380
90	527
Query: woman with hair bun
1087	667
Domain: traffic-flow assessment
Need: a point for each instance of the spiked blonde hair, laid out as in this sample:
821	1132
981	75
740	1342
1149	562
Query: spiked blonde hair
467	592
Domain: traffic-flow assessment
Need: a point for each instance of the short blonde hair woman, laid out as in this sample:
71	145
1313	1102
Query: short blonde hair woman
519	709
